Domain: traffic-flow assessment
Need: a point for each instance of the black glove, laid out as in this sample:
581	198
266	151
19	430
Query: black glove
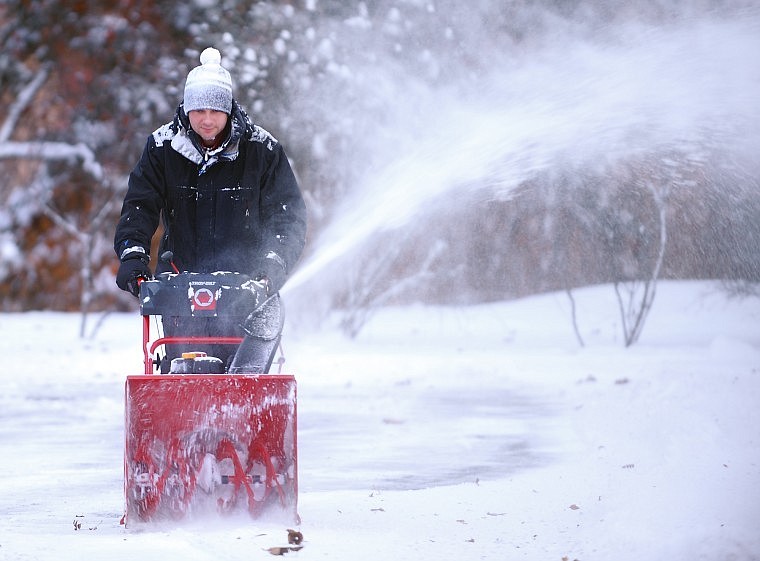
272	270
258	288
132	269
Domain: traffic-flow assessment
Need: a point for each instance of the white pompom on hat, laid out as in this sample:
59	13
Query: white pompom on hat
209	86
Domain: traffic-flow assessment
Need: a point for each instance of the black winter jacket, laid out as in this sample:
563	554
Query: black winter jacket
237	208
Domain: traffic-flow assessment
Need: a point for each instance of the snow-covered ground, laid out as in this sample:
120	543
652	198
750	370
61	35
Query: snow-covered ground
467	433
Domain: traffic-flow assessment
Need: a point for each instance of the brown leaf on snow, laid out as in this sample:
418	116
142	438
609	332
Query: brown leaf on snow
574	507
284	550
294	537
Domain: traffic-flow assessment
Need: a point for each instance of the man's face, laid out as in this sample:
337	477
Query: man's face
208	123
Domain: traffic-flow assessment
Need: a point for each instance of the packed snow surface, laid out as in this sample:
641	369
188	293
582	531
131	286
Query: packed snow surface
439	433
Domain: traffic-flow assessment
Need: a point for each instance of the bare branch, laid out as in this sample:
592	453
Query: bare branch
22	101
639	304
60	220
105	210
574	317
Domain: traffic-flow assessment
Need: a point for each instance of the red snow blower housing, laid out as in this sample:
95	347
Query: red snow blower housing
208	437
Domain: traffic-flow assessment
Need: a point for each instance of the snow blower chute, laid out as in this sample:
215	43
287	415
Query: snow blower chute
205	438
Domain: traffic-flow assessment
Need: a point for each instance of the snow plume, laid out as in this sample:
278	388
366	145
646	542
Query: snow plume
566	96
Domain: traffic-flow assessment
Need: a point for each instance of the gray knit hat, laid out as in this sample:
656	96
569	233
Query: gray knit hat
209	85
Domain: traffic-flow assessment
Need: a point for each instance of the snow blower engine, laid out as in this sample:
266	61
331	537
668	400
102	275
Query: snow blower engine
204	435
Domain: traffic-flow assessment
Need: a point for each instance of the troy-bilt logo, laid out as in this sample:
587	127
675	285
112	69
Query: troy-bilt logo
202	298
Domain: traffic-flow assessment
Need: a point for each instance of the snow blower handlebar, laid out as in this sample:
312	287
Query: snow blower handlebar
195	295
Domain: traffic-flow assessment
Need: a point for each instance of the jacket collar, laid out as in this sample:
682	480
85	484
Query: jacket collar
187	143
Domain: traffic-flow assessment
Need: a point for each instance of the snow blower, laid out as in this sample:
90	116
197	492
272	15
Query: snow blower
207	437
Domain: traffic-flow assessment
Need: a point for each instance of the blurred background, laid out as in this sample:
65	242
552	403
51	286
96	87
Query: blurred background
449	152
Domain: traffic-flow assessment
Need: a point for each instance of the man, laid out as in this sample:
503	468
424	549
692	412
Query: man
227	197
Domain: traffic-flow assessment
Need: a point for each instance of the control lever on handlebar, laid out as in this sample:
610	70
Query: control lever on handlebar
168	257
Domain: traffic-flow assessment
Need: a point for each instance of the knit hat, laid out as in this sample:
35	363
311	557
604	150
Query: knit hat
209	85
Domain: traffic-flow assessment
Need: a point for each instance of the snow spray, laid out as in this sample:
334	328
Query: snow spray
582	102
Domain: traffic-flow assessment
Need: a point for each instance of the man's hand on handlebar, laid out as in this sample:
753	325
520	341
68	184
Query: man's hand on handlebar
131	271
